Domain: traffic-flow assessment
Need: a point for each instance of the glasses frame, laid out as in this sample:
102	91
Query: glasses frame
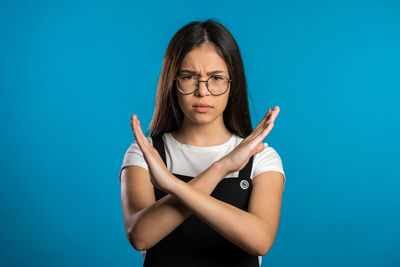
198	83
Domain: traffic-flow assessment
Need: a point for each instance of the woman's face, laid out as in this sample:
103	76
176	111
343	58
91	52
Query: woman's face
202	60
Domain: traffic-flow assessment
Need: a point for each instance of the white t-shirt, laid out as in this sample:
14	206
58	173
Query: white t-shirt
192	160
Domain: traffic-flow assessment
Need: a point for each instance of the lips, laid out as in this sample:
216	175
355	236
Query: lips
202	105
202	108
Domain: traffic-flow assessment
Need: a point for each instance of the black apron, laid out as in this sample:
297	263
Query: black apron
195	244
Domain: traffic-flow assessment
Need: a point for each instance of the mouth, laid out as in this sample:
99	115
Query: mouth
202	108
202	105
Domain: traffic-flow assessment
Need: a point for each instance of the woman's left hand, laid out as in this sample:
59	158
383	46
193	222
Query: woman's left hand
252	144
159	174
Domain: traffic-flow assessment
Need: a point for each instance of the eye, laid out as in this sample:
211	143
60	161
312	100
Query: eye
188	77
217	78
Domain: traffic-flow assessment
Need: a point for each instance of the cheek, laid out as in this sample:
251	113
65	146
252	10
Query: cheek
179	102
184	104
223	104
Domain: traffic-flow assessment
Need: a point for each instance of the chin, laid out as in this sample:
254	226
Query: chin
202	118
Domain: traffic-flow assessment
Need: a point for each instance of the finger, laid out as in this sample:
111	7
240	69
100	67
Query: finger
259	129
266	117
141	136
260	124
266	122
138	133
264	127
267	129
263	134
259	148
269	124
274	114
133	126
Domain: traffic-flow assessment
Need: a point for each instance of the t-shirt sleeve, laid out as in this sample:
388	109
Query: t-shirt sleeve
134	157
268	160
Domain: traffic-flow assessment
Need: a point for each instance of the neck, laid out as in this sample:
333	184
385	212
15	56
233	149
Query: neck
210	134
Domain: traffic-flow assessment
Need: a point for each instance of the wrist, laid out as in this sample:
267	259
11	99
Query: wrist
174	186
221	168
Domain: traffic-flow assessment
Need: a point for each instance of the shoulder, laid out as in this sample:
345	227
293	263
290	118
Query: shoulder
134	147
267	154
134	156
267	160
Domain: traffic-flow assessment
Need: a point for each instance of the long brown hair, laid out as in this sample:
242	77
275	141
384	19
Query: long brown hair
168	116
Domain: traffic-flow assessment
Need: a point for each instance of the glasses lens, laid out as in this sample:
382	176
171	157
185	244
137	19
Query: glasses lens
217	84
187	84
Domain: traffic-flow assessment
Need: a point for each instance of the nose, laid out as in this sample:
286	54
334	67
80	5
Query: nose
202	89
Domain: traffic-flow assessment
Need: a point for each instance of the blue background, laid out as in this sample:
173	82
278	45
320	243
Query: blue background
73	72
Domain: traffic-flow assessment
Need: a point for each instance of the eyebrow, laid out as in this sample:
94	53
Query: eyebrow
208	73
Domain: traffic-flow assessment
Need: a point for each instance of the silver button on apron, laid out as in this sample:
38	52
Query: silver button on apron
244	184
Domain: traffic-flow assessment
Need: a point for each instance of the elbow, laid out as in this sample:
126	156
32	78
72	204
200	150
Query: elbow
136	242
264	246
263	251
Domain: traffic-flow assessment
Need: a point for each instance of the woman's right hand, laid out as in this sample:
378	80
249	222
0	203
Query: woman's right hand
252	144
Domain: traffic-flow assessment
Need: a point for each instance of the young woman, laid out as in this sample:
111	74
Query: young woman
202	189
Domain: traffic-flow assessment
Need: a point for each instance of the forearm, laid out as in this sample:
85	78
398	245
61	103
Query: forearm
238	226
155	222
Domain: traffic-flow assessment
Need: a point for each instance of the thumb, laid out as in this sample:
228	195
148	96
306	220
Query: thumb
259	148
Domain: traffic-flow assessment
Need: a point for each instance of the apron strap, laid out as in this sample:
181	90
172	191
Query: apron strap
246	171
158	144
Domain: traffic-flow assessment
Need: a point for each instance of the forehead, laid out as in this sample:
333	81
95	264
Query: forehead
203	58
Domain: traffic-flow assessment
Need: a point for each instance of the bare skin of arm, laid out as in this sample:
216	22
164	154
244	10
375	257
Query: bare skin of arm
148	221
253	230
258	226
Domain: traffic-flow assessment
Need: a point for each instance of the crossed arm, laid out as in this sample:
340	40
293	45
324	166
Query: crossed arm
148	221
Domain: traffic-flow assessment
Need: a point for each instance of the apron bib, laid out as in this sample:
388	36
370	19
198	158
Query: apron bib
195	244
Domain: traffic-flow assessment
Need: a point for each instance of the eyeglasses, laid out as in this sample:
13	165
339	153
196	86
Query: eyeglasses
216	84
